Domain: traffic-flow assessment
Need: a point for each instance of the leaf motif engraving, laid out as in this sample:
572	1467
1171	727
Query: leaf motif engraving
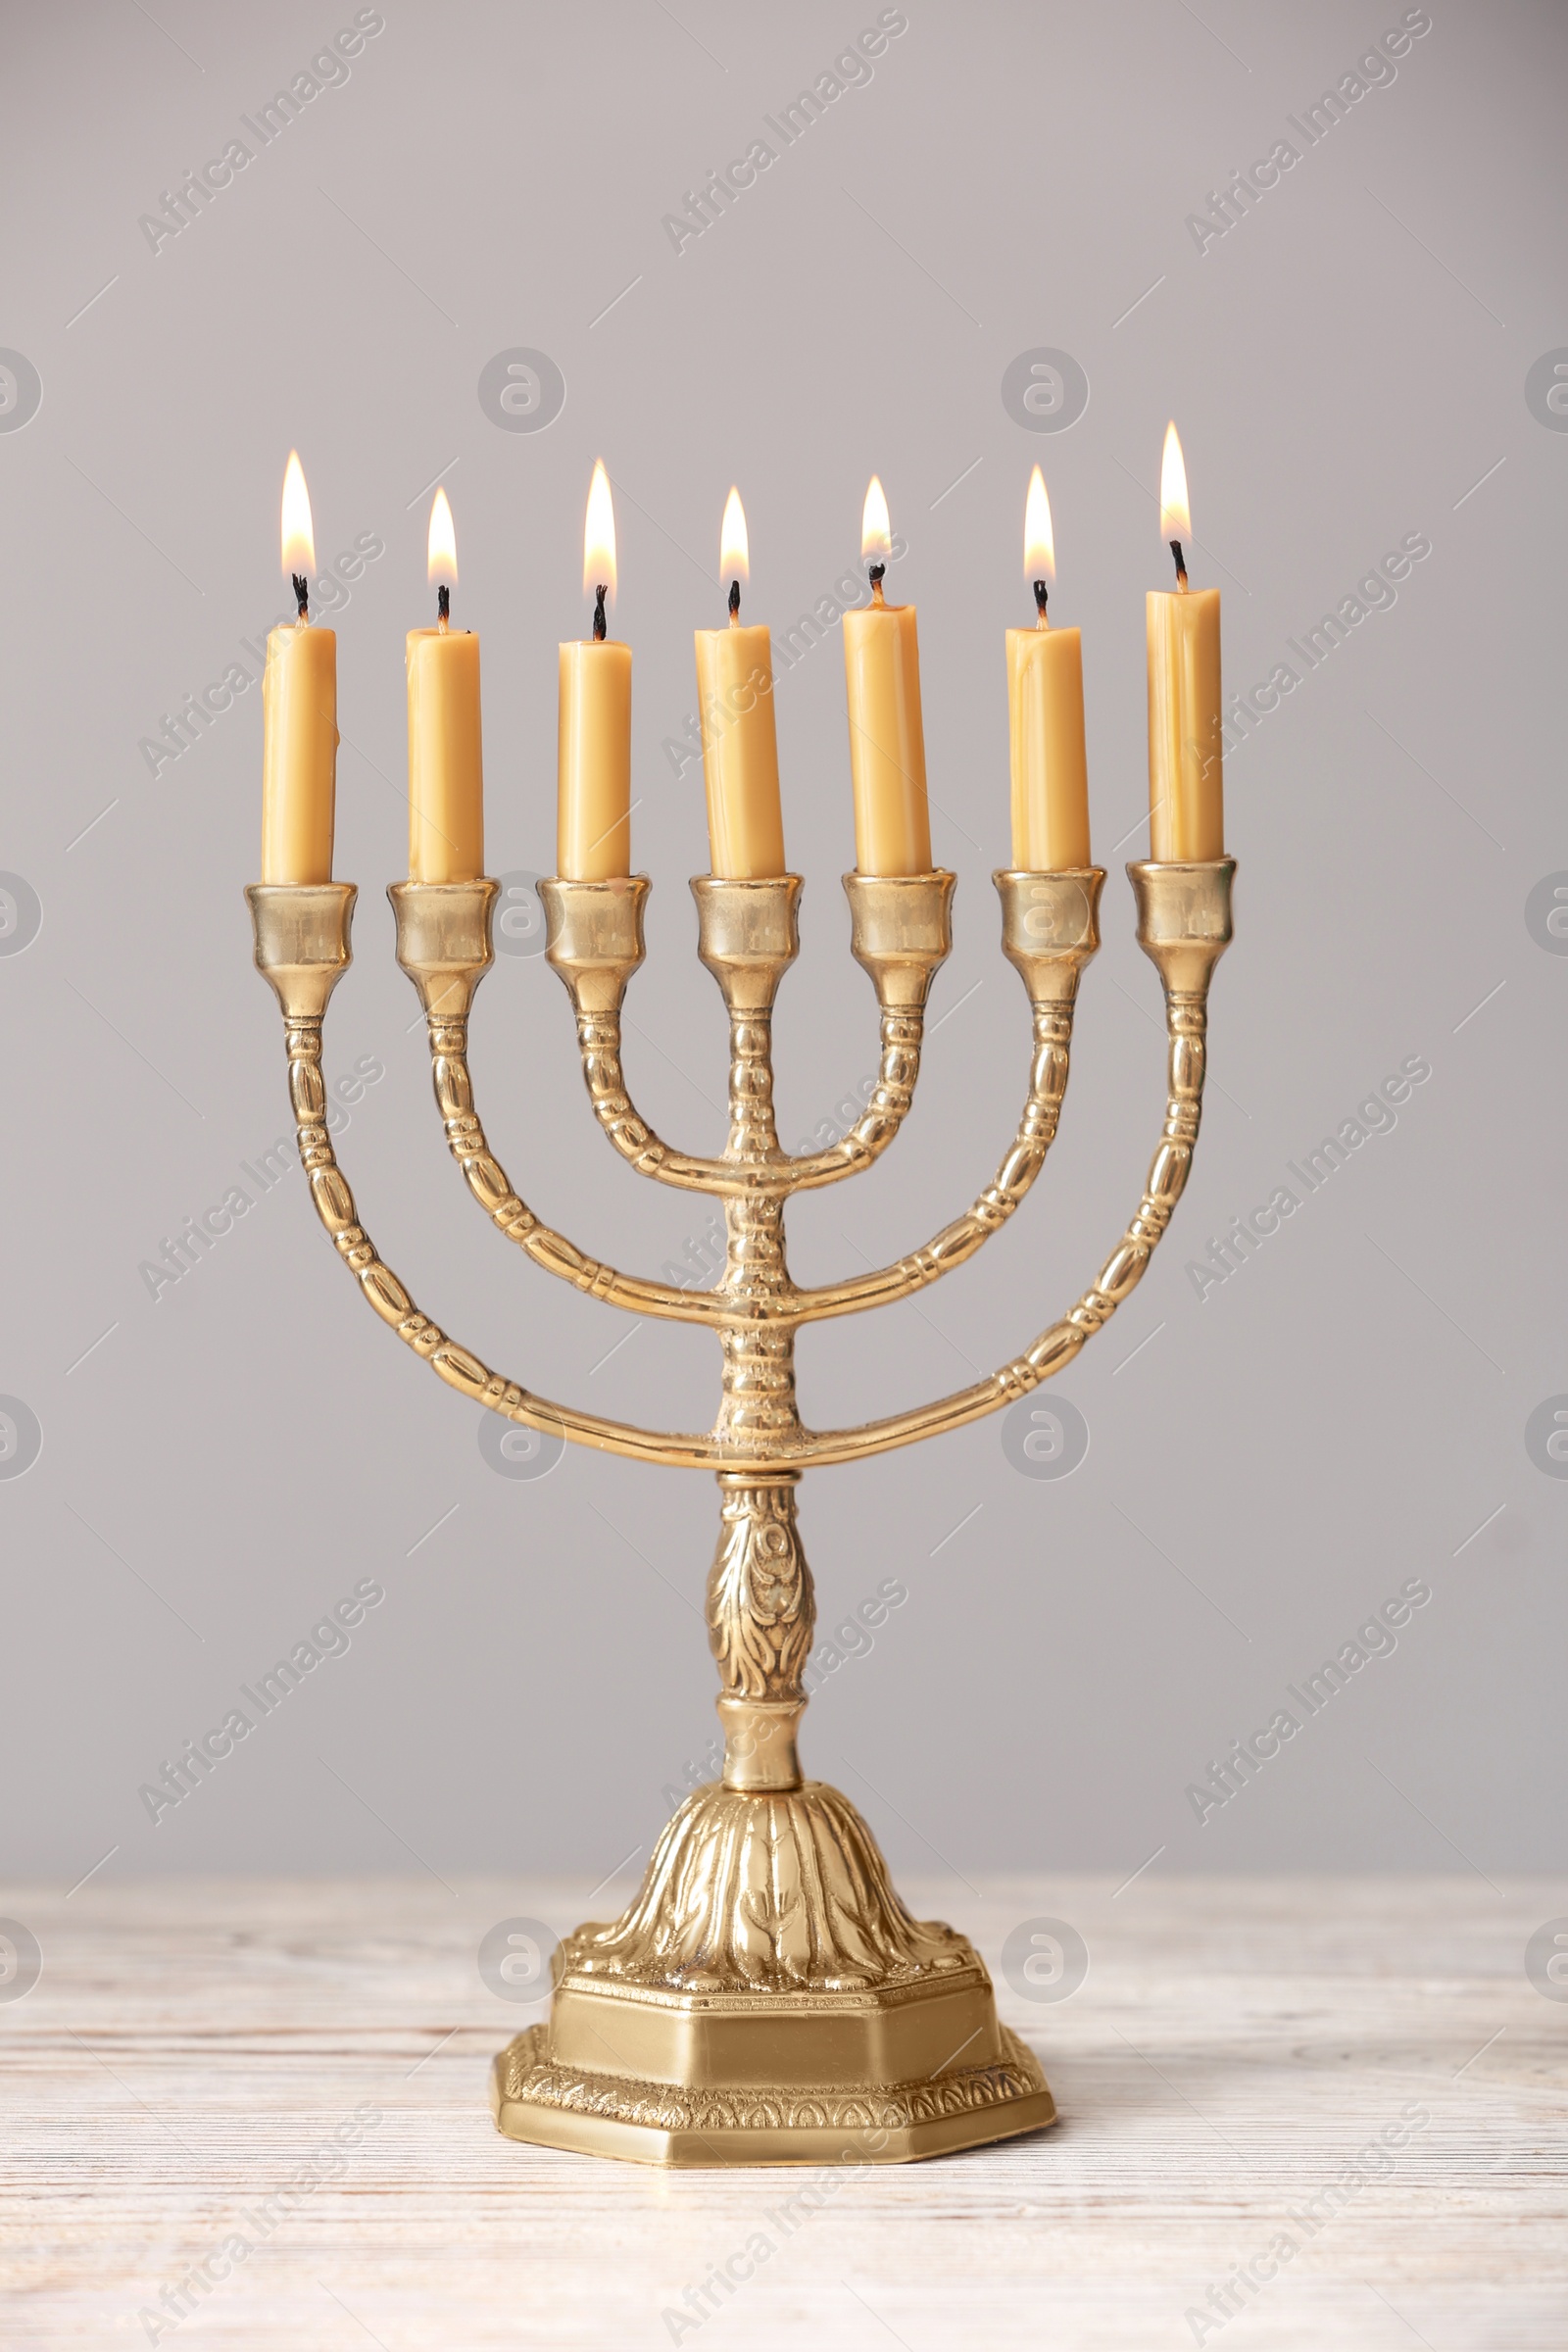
761	1603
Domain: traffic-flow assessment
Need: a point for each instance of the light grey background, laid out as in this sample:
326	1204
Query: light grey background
1265	1467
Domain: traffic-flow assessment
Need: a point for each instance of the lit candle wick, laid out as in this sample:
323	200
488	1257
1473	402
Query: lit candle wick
302	593
599	622
1041	622
734	604
1181	566
876	573
443	609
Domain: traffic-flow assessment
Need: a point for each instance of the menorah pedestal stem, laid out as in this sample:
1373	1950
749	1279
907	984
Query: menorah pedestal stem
768	1999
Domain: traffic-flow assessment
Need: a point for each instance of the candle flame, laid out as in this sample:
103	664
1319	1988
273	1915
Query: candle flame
441	560
299	539
598	536
876	530
1039	540
1175	515
734	551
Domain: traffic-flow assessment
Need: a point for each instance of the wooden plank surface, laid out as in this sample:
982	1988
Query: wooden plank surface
1235	2044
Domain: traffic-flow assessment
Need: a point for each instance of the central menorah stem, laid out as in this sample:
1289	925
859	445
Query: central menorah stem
760	1607
759	1394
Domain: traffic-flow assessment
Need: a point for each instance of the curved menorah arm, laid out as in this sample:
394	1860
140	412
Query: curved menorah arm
748	938
302	947
1184	926
443	943
1049	930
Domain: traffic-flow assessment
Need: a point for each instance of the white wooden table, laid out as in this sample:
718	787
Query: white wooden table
189	2045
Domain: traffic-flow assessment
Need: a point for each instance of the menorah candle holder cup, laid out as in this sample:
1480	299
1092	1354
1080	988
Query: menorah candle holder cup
767	1993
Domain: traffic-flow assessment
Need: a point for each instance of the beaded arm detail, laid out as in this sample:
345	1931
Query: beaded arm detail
751	1066
1118	1277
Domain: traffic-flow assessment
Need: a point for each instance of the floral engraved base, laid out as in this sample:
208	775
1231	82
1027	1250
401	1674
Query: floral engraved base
774	1893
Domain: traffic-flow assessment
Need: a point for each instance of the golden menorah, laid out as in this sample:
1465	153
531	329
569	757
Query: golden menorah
766	1992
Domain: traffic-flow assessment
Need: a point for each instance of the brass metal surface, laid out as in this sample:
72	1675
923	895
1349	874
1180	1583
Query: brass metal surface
901	931
1050	928
1184	919
443	941
795	2040
302	941
766	1992
535	2097
747	935
594	937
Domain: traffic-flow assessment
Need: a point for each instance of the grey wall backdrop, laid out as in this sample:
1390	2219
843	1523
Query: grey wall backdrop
1361	354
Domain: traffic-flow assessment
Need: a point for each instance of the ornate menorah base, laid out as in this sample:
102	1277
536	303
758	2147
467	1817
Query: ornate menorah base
767	1999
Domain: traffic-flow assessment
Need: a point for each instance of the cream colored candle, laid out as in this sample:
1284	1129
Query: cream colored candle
1186	755
740	745
593	745
446	764
593	738
1045	718
887	739
299	717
